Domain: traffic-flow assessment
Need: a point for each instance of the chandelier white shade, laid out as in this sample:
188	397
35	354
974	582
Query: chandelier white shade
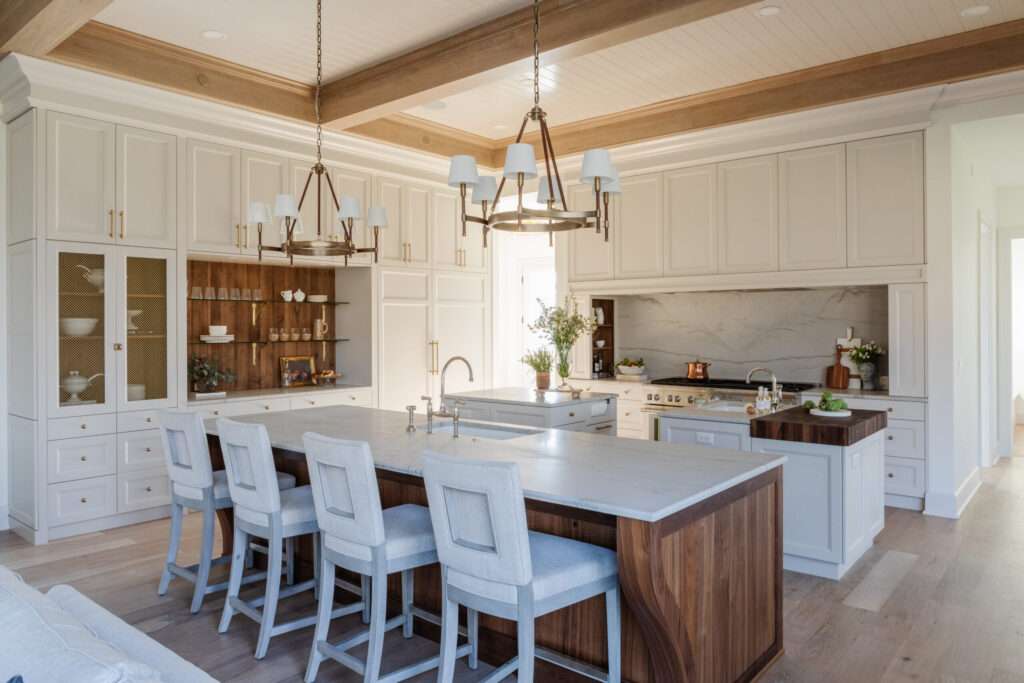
544	188
349	209
285	206
484	190
462	171
377	217
258	213
519	158
597	165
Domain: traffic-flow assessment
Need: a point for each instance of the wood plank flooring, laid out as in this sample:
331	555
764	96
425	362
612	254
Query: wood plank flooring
956	615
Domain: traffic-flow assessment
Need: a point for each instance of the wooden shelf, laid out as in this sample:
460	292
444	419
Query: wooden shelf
290	303
267	342
147	296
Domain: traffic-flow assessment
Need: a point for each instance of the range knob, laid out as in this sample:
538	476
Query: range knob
650	396
657	397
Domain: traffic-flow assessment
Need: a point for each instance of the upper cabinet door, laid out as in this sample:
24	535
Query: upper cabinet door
447	230
474	255
392	245
416	225
748	215
907	351
213	197
304	183
590	256
80	202
264	176
358	185
812	208
637	229
461	328
691	244
147	181
885	201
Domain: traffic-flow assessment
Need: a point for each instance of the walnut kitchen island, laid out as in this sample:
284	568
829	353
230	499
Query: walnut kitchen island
698	532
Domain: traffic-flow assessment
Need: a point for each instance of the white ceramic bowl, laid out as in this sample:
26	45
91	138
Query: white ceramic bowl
218	330
317	298
626	370
78	327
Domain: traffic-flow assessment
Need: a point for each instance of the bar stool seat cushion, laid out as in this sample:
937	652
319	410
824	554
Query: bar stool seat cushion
407	531
296	508
559	565
220	486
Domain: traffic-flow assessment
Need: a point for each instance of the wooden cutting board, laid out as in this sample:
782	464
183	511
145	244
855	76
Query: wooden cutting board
837	376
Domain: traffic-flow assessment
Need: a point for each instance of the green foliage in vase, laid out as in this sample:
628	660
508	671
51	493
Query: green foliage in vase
563	326
205	373
539	359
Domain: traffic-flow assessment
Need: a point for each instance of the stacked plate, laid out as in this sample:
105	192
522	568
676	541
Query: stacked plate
217	338
317	298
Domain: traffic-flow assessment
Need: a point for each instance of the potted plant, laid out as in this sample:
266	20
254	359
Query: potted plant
205	376
563	326
866	356
540	360
630	366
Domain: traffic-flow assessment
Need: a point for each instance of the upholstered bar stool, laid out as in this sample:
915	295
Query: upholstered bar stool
194	485
357	535
492	563
263	511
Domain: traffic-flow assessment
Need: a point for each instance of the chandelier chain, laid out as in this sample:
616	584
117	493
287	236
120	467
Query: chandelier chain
319	78
536	53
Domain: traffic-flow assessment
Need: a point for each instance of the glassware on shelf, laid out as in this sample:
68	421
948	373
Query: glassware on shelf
246	294
306	334
210	294
257	295
273	336
146	344
222	294
236	294
197	293
296	335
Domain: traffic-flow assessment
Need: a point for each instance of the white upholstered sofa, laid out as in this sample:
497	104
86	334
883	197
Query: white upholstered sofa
64	636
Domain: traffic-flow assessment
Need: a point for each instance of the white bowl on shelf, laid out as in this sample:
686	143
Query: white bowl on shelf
78	327
218	330
628	370
317	298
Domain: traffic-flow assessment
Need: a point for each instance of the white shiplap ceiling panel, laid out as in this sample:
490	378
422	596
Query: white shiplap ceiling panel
278	36
728	49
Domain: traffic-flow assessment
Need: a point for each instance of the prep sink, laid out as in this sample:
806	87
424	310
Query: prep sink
484	430
724	406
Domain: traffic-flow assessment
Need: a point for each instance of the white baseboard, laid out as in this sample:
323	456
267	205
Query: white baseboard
904	502
951	505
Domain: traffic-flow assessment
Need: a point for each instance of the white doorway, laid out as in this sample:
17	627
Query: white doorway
1010	376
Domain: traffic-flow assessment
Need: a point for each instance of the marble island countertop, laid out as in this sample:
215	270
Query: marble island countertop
643	480
524	396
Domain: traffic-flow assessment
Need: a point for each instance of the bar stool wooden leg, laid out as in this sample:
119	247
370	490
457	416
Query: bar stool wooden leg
235	582
407	598
205	559
378	615
611	602
274	549
172	548
323	619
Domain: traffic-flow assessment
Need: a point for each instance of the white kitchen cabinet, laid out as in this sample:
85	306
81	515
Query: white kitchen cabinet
81	458
213	197
406	240
80	182
24	155
731	435
637	227
298	174
147	181
358	185
264	176
907	340
450	249
388	194
407	355
812	208
460	328
748	217
885	201
590	256
691	237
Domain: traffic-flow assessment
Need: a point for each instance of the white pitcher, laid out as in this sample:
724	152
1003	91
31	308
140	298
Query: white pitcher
94	276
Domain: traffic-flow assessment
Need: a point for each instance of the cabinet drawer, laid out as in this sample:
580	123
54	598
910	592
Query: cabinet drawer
266	405
626	433
78	501
517	415
897	410
705	433
87	425
569	415
140	451
142	490
138	421
631	417
69	459
905	439
606	428
359	396
904	477
333	398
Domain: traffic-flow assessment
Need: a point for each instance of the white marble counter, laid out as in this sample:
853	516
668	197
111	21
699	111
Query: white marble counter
277	392
861	393
524	396
642	480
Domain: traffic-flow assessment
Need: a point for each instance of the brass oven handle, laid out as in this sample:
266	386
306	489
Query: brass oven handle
123	231
110	213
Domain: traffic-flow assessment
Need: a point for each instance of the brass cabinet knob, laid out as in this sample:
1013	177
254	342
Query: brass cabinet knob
890	437
216	412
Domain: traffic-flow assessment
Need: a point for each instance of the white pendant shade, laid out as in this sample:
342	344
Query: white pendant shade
485	189
611	187
258	213
285	206
462	171
544	191
519	158
349	209
377	217
597	163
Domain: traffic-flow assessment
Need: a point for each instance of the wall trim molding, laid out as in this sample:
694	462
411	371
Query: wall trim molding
952	505
5	522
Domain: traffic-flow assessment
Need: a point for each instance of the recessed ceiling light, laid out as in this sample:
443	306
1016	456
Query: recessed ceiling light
975	11
769	11
436	105
210	34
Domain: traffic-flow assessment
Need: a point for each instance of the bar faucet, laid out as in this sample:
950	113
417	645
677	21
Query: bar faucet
430	413
444	412
455	418
776	387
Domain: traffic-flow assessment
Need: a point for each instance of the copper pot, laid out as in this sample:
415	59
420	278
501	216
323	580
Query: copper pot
698	370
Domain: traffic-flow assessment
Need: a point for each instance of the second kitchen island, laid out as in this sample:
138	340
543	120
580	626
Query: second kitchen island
698	533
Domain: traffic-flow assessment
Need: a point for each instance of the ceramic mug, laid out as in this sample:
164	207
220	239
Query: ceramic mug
286	295
218	330
273	334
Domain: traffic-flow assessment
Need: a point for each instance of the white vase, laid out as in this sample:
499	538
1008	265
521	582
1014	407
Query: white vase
867	376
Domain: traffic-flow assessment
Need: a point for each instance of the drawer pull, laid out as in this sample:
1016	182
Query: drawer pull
84	426
148	450
216	412
312	403
890	437
84	499
149	489
149	419
266	407
602	427
890	409
572	414
84	458
890	475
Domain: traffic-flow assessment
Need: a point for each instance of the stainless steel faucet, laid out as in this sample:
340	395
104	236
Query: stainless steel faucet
455	418
430	413
776	387
444	403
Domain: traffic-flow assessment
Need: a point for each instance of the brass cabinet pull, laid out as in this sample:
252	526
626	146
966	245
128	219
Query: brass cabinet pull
111	214
434	356
118	346
123	231
245	231
149	419
238	235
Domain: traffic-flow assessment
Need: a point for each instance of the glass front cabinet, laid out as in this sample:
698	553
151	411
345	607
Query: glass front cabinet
111	329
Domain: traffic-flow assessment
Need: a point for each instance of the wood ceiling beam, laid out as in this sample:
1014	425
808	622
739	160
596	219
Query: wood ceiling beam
963	56
426	136
502	46
34	27
114	51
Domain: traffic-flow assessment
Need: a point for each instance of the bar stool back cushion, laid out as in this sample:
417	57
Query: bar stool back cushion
345	493
186	452
249	462
479	519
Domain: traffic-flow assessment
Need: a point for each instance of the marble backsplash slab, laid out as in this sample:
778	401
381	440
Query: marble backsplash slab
791	331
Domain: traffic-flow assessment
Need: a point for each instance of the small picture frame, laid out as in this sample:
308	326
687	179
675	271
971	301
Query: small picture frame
298	371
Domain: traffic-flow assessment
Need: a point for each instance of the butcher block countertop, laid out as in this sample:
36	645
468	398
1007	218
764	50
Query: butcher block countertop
797	424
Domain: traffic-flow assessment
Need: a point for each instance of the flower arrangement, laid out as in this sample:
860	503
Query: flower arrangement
563	326
205	374
866	353
540	360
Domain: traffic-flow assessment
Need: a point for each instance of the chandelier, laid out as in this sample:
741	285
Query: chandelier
521	165
288	210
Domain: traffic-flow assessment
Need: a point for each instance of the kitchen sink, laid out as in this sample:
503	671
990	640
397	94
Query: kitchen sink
484	430
724	406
